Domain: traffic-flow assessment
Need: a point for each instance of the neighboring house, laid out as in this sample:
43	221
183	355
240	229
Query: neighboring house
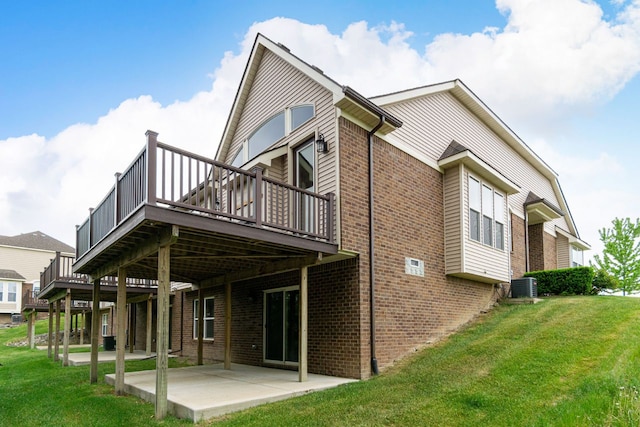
10	294
348	232
28	255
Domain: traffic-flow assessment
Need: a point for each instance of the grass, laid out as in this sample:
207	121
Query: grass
571	361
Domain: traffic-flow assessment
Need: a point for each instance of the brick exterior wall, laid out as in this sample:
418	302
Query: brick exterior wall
543	253
332	321
410	310
550	252
518	248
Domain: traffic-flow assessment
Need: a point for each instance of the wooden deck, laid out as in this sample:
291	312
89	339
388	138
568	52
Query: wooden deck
58	278
222	221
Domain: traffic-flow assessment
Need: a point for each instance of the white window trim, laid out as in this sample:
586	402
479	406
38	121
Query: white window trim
494	191
206	319
244	147
105	324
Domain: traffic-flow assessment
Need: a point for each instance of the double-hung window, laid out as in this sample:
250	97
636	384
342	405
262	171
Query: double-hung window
105	324
486	214
208	318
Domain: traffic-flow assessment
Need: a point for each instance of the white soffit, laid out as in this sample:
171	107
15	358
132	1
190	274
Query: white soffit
477	165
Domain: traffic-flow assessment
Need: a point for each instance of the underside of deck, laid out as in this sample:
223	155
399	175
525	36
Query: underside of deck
203	248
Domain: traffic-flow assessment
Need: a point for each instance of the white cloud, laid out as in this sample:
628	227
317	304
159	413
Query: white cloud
552	58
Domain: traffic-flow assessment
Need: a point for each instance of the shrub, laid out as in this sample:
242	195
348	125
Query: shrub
603	281
566	281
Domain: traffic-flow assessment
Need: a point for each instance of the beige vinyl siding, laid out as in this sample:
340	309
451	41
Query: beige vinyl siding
29	263
453	225
563	251
279	85
432	122
480	260
278	169
12	307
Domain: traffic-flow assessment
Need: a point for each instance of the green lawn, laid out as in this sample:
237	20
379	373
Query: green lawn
570	361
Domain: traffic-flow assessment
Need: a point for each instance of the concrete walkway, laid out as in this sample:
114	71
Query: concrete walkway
77	359
84	358
201	392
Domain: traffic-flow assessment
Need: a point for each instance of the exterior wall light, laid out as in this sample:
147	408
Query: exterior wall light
321	144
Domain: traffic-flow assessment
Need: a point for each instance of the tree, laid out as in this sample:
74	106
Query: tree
621	253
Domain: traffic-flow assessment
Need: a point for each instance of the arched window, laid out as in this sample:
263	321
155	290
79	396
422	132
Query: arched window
299	115
272	130
266	135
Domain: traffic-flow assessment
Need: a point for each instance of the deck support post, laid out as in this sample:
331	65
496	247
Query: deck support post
82	327
31	329
149	324
95	328
67	328
56	352
200	315
132	327
121	310
162	342
302	330
50	340
227	325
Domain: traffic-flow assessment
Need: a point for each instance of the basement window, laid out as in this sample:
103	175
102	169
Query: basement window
208	318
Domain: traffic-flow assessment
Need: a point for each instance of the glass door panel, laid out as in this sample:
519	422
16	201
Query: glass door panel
281	326
274	317
305	179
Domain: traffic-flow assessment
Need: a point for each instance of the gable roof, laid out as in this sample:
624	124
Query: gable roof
344	97
477	107
36	240
10	275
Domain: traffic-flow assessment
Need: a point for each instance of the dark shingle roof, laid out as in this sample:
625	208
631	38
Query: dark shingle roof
453	149
36	240
10	274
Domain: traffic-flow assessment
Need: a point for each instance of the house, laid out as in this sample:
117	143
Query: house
27	255
10	295
332	233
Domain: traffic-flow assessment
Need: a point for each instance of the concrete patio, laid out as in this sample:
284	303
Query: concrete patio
77	359
84	358
201	392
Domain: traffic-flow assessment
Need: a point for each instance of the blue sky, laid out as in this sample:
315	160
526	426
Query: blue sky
71	61
80	81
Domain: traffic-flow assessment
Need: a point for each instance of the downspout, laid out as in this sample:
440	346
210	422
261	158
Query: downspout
372	281
526	239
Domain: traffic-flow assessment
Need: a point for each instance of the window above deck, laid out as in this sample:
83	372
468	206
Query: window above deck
271	131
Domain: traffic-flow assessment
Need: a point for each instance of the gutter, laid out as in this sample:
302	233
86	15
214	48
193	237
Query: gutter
372	281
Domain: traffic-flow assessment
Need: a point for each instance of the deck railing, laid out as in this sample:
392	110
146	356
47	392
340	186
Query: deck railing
60	269
30	299
168	177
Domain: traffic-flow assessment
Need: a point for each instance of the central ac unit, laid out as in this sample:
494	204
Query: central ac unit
526	287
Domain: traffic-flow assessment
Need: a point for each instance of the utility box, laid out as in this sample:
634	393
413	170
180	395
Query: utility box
526	287
109	343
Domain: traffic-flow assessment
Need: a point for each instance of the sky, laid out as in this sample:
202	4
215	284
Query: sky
81	82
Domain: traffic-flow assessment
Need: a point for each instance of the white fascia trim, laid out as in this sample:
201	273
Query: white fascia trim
516	213
265	158
575	241
314	73
405	95
392	140
479	166
465	96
